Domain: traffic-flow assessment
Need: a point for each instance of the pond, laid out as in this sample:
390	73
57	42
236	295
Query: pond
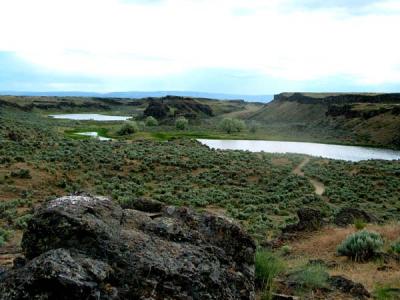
350	153
92	117
94	134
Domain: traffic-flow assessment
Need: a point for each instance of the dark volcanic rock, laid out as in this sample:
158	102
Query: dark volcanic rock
84	247
309	220
347	216
347	286
146	205
156	109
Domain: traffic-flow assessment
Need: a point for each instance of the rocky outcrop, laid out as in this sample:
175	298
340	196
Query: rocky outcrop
347	286
338	98
348	215
85	247
309	220
177	106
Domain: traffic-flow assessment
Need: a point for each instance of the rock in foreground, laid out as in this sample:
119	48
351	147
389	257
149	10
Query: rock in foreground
85	247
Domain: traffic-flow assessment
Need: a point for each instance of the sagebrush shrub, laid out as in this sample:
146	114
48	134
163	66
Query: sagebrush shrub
395	247
151	121
361	245
128	128
181	123
4	236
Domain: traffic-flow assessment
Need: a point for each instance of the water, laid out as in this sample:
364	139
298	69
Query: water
93	117
94	134
350	153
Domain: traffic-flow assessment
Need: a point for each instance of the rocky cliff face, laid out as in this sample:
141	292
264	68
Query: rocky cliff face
338	98
85	247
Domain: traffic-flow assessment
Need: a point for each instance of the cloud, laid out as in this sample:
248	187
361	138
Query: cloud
278	40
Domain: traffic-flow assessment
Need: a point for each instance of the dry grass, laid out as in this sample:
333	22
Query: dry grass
282	161
322	245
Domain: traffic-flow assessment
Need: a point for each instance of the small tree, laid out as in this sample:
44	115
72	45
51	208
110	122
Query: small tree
230	125
151	121
128	128
181	123
253	127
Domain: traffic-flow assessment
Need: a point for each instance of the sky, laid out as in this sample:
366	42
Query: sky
226	46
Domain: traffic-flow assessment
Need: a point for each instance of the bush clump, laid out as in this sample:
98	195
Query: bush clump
128	128
151	121
4	236
395	247
361	246
181	123
268	266
21	173
312	276
359	224
230	125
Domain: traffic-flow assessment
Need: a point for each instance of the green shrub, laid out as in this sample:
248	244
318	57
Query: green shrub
4	236
395	247
386	293
128	128
268	266
286	249
151	121
312	276
22	222
361	245
230	125
181	123
21	173
359	224
253	127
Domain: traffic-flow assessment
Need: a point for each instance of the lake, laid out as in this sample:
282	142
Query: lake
94	134
87	117
350	153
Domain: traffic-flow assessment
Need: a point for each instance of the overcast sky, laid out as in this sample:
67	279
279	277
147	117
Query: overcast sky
231	46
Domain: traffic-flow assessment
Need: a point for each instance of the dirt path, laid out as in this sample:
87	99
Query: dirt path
319	187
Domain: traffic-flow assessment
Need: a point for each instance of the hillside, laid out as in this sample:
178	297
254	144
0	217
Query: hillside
370	119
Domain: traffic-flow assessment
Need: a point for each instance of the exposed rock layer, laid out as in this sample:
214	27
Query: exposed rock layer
84	247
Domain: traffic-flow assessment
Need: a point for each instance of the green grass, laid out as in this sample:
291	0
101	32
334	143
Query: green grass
311	277
268	267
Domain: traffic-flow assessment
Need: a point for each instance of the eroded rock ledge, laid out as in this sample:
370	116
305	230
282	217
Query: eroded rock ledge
86	247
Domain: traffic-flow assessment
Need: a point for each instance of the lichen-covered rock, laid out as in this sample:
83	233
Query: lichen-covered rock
84	247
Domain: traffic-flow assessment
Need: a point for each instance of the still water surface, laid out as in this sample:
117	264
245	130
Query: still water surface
95	135
351	153
86	117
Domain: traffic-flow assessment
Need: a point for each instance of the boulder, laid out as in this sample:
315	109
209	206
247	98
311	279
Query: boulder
348	215
349	287
146	205
86	247
309	220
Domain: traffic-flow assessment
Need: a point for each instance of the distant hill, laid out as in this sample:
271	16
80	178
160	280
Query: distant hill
139	95
364	118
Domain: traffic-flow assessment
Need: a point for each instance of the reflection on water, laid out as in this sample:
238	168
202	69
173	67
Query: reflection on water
351	153
95	135
87	117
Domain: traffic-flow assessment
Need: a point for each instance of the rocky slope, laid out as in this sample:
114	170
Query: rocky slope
85	247
371	119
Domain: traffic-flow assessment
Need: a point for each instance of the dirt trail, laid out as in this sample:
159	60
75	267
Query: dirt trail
319	187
